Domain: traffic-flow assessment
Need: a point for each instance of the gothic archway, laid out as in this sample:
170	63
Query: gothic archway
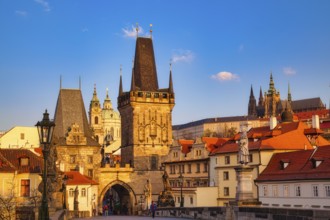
119	197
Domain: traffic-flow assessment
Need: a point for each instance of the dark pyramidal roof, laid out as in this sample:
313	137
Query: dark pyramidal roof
70	109
144	76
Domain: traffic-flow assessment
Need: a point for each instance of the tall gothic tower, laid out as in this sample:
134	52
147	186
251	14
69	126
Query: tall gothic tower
272	99
146	112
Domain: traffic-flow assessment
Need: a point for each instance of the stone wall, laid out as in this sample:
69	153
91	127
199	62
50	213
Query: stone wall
246	213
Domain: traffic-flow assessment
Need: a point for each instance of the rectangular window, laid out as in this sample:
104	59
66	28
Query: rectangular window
22	136
154	162
225	175
298	190
315	190
90	159
198	168
83	192
182	168
250	158
25	188
227	159
205	167
90	173
72	158
191	200
265	190
24	161
286	191
226	191
275	190
189	168
327	190
188	183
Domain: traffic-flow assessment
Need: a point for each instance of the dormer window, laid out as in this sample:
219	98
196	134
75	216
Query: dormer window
316	162
284	164
24	161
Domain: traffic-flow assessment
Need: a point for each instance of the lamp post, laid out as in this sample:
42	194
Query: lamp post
65	179
45	131
181	184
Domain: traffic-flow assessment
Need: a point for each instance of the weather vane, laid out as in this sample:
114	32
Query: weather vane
150	30
137	29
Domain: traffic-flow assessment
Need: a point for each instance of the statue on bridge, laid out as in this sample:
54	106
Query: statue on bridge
166	198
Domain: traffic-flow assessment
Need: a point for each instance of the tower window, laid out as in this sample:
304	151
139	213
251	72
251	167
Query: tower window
154	162
96	120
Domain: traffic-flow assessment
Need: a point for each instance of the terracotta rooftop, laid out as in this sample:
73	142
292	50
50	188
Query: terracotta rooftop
186	145
10	161
76	178
285	136
211	143
301	165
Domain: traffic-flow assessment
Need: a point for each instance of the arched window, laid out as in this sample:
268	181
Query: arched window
71	192
96	120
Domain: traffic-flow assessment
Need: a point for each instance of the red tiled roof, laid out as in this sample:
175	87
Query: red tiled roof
186	145
76	178
212	143
285	136
13	156
323	113
300	166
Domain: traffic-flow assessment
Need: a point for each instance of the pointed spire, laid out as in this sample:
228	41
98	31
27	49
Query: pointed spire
133	87
261	99
271	84
95	94
120	83
289	94
252	108
170	86
107	94
251	92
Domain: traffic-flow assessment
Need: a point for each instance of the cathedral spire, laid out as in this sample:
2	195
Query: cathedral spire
261	99
170	86
120	83
252	108
271	84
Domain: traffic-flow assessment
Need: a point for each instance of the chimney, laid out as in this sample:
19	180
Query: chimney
316	121
272	122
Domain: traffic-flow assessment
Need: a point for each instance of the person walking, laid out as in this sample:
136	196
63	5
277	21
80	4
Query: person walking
105	210
153	208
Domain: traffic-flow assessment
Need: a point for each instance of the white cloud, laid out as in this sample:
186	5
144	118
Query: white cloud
225	76
44	4
241	48
289	71
182	56
85	29
131	32
21	13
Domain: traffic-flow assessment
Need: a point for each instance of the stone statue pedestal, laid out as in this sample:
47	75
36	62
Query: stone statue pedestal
244	192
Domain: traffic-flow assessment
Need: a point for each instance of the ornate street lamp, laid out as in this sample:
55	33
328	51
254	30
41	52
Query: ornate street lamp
65	179
181	184
45	130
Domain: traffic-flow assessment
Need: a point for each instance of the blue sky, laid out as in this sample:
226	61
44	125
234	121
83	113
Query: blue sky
218	50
